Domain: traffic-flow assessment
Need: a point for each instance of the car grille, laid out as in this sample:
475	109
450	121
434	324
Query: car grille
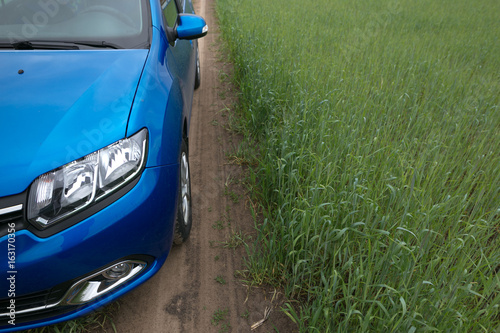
23	303
7	219
11	217
41	304
12	211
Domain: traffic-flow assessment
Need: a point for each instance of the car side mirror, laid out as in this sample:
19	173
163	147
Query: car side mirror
191	26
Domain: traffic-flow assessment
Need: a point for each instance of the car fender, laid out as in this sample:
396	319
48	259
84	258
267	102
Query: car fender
159	105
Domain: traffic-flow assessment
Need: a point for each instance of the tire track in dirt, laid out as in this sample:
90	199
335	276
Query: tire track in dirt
184	295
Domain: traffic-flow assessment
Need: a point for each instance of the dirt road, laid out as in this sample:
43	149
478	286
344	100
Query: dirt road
196	290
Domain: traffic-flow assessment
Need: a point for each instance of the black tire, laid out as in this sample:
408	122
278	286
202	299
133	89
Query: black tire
184	212
197	78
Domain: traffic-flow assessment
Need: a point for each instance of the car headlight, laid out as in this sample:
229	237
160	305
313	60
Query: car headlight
76	185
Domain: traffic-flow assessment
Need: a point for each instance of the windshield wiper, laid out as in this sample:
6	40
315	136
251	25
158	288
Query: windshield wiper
43	45
101	44
57	45
35	45
6	46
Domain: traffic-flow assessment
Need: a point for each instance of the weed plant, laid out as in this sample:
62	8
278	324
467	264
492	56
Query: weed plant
378	130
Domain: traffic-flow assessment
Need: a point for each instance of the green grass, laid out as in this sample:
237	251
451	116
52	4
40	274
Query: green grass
218	225
378	130
220	279
220	317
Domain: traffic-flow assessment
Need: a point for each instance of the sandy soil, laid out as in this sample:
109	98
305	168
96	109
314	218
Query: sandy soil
197	289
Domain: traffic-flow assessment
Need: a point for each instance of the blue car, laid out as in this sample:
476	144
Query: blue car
95	104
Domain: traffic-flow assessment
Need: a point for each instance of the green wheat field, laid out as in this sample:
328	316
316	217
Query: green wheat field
377	167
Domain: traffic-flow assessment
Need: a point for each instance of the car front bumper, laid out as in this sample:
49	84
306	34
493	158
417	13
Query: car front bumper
137	226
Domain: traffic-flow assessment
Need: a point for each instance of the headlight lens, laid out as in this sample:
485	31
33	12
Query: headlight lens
74	186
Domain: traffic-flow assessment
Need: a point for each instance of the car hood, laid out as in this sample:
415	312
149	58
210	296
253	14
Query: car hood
57	106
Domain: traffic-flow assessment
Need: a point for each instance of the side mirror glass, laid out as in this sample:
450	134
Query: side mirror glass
191	26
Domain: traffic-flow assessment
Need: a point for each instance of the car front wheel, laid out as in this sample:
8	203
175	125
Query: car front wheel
184	212
197	78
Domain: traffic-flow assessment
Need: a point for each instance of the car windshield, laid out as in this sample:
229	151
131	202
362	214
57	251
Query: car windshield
86	23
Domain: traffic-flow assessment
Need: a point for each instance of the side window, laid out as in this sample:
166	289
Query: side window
170	12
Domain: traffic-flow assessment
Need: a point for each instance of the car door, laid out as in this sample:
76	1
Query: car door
181	50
